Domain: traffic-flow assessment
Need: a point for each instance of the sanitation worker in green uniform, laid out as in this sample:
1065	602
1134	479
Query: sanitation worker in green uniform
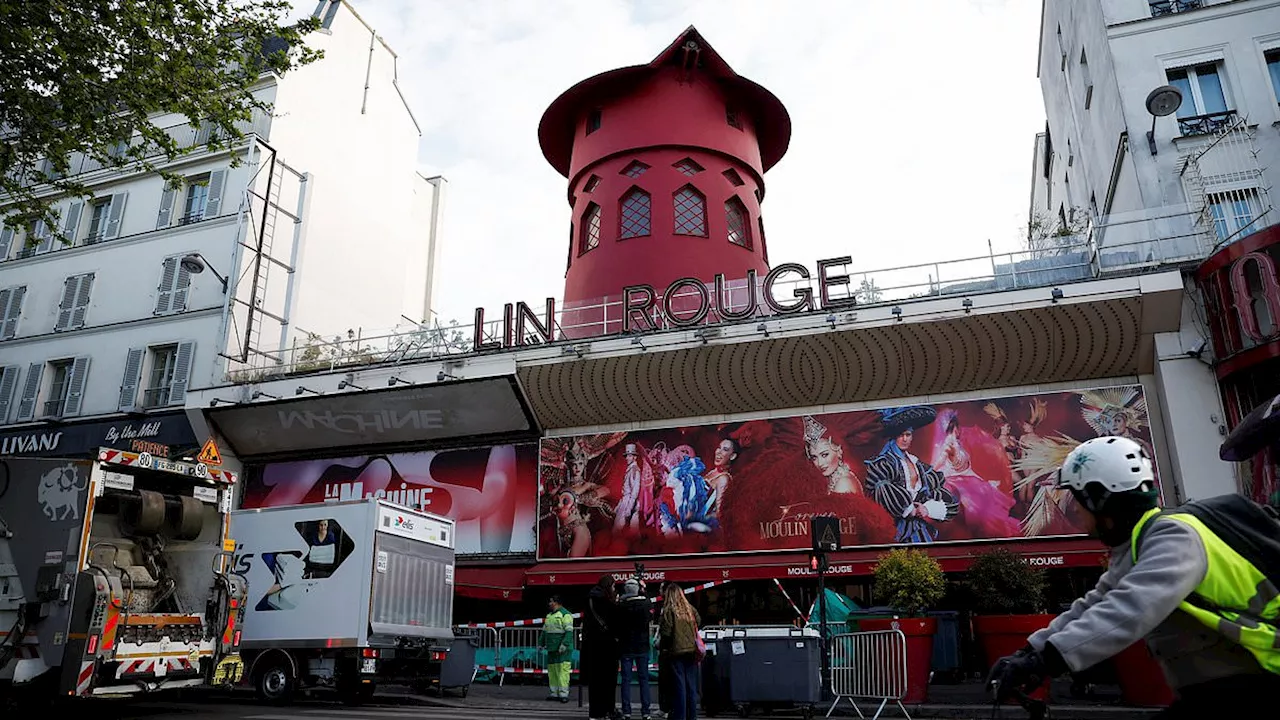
557	638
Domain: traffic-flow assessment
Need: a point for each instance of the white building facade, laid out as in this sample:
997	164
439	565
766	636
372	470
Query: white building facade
1119	178
164	289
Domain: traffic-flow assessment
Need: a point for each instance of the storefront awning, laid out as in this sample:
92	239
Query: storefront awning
490	583
303	416
1050	553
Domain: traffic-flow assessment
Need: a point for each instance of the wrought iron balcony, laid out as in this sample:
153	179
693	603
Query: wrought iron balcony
155	397
1169	7
53	408
1206	124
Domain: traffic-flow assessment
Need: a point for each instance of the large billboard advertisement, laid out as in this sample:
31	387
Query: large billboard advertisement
953	471
491	492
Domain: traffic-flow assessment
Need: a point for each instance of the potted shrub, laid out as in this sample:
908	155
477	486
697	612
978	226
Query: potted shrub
1007	599
911	582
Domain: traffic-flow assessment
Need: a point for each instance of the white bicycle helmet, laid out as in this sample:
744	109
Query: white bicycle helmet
1101	469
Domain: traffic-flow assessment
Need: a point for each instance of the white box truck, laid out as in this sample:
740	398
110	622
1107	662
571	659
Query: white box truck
343	596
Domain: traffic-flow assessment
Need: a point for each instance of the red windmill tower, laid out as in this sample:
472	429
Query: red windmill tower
666	166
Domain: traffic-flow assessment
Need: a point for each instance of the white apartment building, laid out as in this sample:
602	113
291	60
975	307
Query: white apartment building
1122	176
317	223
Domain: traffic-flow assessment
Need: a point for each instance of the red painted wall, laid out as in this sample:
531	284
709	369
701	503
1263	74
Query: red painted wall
660	122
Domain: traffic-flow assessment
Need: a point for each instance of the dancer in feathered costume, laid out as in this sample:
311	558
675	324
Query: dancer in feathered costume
1116	411
984	510
1048	513
684	509
564	467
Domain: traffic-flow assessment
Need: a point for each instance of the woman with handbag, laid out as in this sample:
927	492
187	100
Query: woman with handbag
680	645
600	649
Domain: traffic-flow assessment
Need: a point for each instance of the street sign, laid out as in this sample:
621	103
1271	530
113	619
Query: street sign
825	532
209	454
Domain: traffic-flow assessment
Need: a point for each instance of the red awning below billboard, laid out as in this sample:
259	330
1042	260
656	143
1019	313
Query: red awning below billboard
1071	552
491	583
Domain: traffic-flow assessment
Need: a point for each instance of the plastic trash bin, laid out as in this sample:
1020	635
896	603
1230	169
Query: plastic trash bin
459	667
771	668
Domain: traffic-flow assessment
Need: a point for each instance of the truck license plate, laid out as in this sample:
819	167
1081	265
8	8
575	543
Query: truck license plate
369	665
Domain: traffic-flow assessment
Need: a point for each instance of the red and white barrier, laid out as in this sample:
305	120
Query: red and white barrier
578	616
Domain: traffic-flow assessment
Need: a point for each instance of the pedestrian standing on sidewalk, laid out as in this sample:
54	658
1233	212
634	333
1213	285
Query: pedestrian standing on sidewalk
600	649
634	612
557	638
678	643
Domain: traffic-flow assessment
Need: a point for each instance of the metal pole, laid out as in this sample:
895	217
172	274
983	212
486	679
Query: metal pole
822	610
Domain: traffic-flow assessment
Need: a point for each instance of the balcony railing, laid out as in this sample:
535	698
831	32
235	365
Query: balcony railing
1206	124
1122	244
155	397
53	408
1169	7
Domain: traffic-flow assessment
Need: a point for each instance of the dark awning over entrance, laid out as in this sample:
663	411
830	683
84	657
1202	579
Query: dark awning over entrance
1052	553
478	411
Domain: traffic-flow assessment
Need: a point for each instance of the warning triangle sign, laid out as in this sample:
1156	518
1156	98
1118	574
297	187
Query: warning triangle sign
209	454
828	536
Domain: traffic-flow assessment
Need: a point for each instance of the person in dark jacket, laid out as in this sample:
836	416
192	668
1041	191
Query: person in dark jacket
600	649
635	610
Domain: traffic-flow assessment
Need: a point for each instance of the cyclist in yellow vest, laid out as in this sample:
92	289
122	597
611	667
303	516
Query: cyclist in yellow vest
1209	656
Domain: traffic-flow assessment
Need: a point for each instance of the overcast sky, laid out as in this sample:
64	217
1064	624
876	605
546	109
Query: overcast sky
912	122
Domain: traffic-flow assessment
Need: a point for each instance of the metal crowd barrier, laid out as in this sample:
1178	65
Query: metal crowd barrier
519	651
869	666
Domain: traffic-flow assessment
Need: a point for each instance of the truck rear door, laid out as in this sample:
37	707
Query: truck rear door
412	576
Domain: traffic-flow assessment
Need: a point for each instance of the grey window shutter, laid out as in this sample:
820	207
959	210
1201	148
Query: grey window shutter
164	294
180	287
213	206
8	385
70	288
10	311
75	387
113	217
44	238
181	373
82	301
6	242
72	222
30	391
132	378
165	218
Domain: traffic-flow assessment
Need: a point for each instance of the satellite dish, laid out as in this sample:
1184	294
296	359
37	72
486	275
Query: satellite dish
193	264
1164	100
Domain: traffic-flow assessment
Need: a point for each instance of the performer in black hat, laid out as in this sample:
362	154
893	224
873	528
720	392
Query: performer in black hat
912	491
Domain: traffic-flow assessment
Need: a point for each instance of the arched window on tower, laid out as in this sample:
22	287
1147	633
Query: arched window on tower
690	212
737	223
589	229
635	213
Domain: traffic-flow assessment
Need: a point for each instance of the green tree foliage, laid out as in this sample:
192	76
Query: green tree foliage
86	76
909	580
1002	583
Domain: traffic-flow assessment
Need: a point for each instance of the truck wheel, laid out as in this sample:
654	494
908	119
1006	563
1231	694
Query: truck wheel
275	683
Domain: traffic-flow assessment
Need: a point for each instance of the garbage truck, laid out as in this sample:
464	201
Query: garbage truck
345	596
116	577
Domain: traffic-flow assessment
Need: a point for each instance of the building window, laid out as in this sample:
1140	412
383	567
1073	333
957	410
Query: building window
634	169
590	229
635	214
733	177
10	311
593	121
1273	68
764	248
1169	7
1233	213
197	198
592	183
59	387
731	117
99	216
738	223
690	212
687	167
1086	79
73	308
1204	98
6	241
164	360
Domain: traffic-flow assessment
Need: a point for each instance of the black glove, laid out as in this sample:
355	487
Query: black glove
1024	670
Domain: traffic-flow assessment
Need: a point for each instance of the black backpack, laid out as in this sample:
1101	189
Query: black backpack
1250	529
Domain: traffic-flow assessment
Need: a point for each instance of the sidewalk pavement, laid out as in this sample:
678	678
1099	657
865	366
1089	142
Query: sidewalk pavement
962	701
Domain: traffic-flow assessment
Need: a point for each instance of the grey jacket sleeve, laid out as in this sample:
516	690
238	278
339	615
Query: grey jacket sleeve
1091	598
1171	563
